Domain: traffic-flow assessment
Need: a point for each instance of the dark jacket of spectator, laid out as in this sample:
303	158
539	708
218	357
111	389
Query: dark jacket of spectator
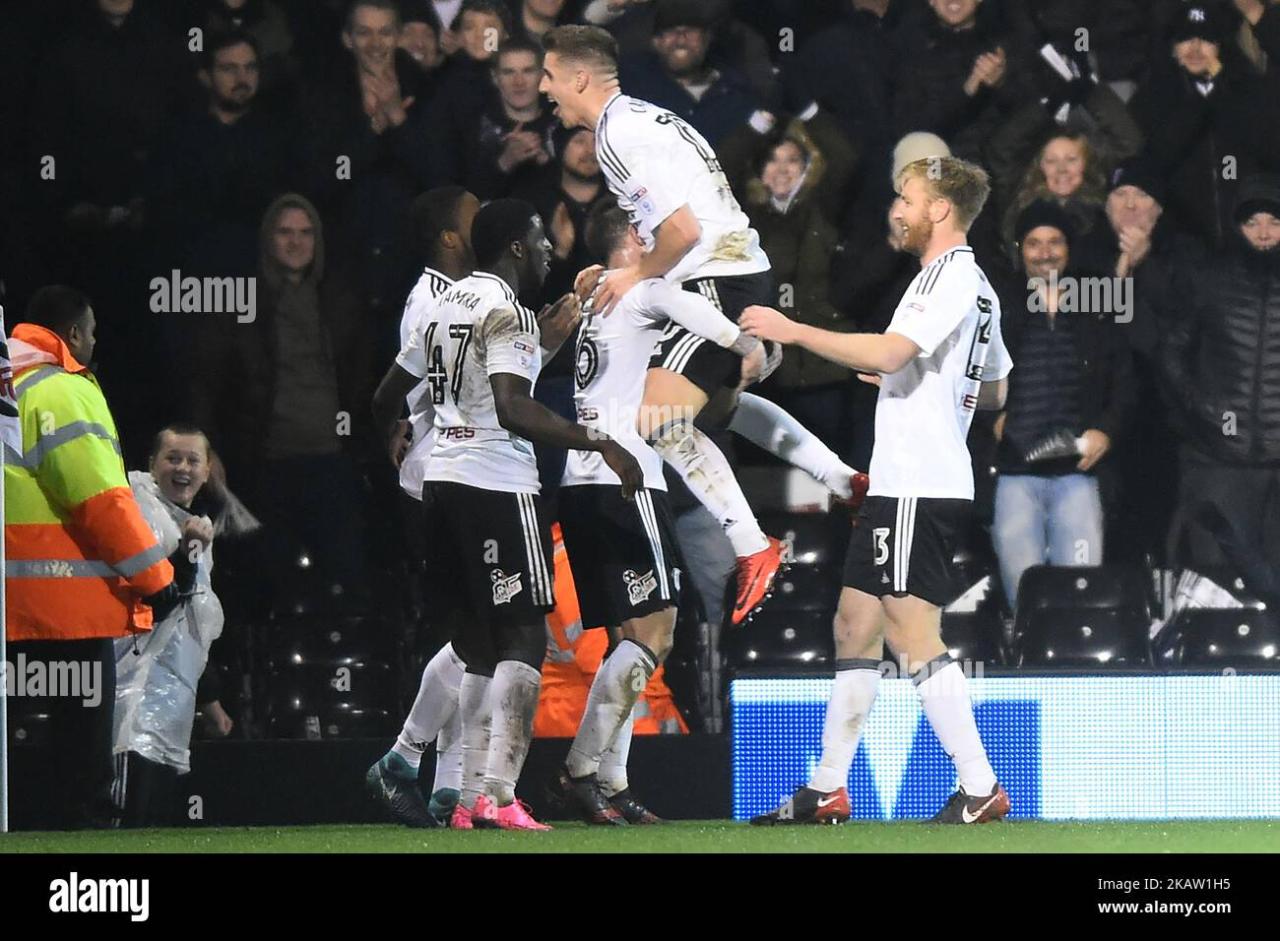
1103	368
369	209
722	108
210	184
1222	358
929	92
105	93
485	142
464	89
800	234
1189	135
846	69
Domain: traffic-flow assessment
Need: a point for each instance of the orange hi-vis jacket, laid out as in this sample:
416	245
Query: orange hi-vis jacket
574	656
79	555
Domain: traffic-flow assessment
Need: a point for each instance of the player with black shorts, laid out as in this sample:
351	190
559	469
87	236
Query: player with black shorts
480	355
624	555
666	176
941	358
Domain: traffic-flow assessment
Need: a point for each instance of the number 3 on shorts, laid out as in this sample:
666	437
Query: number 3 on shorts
881	536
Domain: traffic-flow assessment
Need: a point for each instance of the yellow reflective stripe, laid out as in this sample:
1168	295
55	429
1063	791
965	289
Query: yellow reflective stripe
29	380
67	433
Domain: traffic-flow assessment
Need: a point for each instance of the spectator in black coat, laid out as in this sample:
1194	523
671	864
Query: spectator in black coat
104	96
465	87
220	163
1074	379
846	69
369	140
677	75
1222	358
564	195
1208	122
510	142
958	80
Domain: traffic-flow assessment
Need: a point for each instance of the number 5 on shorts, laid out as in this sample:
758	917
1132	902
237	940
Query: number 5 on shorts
881	536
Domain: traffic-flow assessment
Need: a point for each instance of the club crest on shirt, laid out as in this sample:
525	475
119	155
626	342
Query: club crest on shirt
639	587
505	587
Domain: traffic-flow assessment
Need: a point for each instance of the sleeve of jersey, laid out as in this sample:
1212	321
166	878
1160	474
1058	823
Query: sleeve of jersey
658	299
81	471
648	182
412	357
509	339
933	307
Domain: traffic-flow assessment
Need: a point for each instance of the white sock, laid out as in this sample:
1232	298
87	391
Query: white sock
706	472
514	698
614	691
944	692
473	703
769	426
449	755
435	704
613	760
852	696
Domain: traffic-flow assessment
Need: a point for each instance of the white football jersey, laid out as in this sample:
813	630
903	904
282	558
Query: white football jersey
477	329
924	410
611	364
417	312
654	163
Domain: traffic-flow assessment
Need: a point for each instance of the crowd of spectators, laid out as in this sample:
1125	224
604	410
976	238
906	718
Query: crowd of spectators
285	140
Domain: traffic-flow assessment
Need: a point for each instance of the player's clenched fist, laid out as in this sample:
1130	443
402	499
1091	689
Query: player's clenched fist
767	324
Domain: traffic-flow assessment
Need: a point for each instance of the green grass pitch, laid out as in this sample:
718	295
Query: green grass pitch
710	836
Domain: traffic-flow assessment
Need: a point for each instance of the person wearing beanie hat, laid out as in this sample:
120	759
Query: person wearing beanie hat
420	31
1196	109
678	72
917	145
1259	195
1072	394
1221	359
1044	212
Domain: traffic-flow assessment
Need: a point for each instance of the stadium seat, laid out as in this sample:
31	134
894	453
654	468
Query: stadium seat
327	639
1246	638
975	637
809	538
806	588
782	639
339	721
28	722
1048	587
1084	637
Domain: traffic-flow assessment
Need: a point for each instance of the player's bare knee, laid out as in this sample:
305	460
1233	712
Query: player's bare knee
655	631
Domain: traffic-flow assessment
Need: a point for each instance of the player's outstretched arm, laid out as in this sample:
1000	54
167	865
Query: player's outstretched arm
521	414
673	239
866	352
388	401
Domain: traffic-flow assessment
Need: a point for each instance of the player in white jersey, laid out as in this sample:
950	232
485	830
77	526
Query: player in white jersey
941	358
441	222
668	178
624	555
480	353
